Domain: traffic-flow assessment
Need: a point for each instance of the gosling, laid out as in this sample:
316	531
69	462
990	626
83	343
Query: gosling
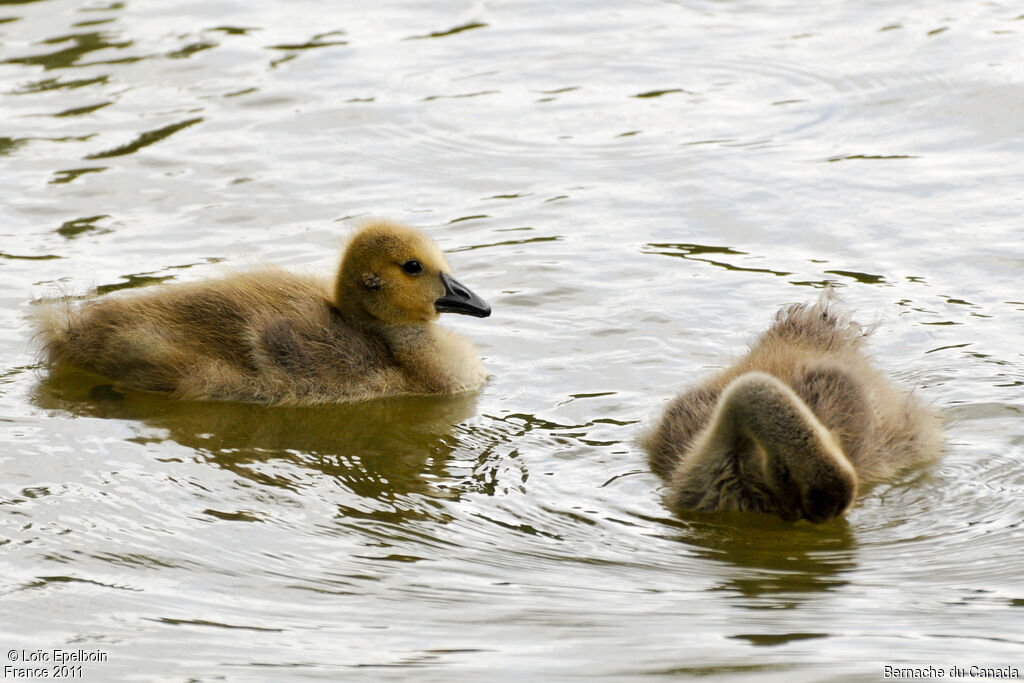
792	429
273	336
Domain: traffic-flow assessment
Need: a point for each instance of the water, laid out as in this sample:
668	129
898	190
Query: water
635	188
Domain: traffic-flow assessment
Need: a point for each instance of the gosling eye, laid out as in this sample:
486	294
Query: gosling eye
412	267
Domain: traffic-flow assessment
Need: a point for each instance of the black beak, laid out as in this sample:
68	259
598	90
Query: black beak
458	299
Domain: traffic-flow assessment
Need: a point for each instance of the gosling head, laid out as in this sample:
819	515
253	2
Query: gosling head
395	274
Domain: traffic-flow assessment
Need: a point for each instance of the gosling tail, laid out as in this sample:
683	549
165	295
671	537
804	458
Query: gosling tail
783	459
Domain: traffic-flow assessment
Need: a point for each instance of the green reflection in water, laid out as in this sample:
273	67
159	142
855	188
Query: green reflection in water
133	281
81	45
8	145
379	450
235	30
767	639
26	257
77	226
72	174
867	157
865	278
78	111
659	93
450	32
507	243
145	139
48	84
316	41
772	563
191	49
18	2
699	252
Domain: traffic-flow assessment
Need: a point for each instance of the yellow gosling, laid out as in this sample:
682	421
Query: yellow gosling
794	428
273	336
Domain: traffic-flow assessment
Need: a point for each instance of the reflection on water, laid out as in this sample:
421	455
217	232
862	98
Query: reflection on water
773	563
66	56
702	253
379	450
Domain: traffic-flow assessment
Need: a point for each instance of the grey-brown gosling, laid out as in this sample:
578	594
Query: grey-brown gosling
793	428
273	336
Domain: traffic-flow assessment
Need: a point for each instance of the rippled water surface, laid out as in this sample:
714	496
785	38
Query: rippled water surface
635	188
